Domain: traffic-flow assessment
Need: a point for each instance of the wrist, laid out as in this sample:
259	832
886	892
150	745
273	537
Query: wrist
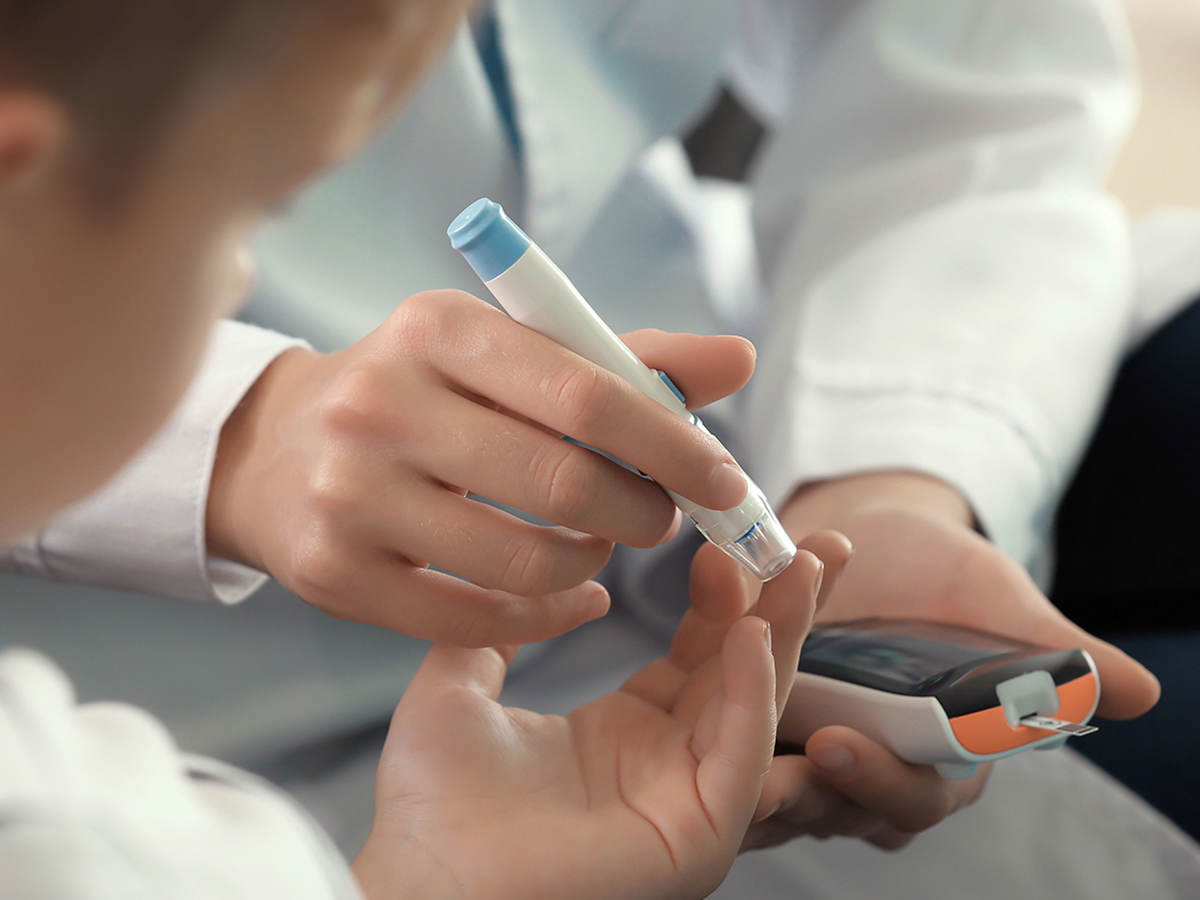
818	504
233	501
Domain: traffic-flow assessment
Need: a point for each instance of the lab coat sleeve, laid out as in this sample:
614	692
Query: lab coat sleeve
948	284
96	801
145	529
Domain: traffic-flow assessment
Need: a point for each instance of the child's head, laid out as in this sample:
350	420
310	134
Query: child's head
140	142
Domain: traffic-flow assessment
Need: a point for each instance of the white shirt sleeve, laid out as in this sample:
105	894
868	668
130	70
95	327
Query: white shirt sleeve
949	286
96	802
145	529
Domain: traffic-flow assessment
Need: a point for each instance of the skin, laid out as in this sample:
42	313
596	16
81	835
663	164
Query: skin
349	497
645	792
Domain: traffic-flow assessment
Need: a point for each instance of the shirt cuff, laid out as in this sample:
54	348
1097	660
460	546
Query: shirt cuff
974	448
145	529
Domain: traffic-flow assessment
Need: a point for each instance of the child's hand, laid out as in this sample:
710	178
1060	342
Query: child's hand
344	476
645	792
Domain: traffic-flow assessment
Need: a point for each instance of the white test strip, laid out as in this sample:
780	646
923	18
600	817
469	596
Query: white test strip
1046	723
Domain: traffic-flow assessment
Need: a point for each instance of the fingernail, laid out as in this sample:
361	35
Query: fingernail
728	486
767	634
833	758
819	580
768	815
597	602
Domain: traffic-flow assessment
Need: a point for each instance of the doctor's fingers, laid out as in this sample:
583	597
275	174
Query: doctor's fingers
796	802
910	798
482	544
494	357
511	462
383	589
704	368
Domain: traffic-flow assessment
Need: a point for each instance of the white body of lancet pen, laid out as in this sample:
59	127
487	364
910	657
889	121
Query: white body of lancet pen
536	293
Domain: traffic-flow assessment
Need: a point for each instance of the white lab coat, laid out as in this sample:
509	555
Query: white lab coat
934	277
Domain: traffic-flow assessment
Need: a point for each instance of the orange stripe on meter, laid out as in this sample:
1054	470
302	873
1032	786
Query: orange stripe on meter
987	731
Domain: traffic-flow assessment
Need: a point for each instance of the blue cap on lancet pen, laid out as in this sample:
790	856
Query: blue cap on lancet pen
489	240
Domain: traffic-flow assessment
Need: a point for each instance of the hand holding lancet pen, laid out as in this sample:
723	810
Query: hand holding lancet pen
536	293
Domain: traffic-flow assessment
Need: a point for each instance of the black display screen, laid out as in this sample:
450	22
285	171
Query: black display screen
904	656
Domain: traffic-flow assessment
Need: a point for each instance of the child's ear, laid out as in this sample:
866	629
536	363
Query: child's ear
32	131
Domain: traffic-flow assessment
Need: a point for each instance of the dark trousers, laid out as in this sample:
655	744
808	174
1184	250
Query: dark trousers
1128	540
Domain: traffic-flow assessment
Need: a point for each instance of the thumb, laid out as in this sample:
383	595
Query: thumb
1127	688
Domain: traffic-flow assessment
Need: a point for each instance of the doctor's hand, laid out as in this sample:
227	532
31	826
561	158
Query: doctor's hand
645	792
345	476
879	798
915	555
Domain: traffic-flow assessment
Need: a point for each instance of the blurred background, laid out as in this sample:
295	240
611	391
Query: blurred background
1160	165
1143	462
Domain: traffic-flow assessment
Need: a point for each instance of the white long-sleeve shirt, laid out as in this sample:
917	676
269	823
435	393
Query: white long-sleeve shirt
97	803
145	528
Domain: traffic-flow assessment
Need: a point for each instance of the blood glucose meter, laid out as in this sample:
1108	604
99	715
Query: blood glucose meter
941	695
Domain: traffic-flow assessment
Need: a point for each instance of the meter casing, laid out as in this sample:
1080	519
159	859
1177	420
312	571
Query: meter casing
937	694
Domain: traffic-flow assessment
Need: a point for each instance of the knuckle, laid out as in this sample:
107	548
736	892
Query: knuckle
563	481
924	816
529	567
354	404
317	569
330	495
427	320
584	395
